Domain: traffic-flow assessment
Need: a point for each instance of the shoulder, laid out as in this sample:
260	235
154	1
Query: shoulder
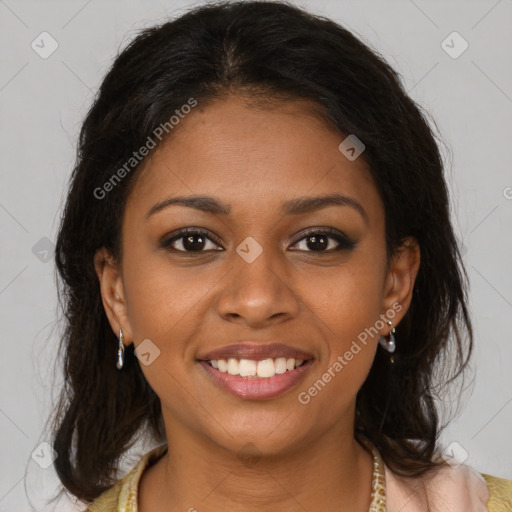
123	495
109	500
453	489
500	493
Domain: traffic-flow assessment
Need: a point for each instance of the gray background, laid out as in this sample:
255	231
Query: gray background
44	100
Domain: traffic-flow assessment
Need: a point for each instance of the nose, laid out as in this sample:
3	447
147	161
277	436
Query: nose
258	293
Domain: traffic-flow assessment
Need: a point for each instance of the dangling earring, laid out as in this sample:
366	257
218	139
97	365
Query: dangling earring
389	345
120	351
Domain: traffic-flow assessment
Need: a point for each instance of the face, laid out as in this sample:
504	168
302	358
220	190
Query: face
269	266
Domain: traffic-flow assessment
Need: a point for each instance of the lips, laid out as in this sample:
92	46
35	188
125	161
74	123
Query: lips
250	388
255	351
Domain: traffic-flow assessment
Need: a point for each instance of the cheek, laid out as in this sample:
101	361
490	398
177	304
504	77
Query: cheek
165	306
347	300
160	299
345	315
346	306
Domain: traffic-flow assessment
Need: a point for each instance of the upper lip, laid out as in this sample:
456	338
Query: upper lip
255	351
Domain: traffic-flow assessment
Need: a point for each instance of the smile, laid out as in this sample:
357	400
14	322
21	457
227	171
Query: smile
257	380
263	369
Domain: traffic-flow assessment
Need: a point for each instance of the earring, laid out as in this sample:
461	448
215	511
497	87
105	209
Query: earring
120	351
389	345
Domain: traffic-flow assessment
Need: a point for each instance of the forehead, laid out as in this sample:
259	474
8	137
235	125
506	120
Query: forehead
256	158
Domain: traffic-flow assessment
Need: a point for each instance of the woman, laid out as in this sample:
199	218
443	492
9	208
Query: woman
260	276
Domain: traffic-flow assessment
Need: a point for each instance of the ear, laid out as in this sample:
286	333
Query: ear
399	284
112	293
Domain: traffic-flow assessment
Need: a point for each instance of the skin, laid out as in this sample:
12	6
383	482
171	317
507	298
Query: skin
317	300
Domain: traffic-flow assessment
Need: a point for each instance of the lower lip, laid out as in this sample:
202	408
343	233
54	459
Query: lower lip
256	388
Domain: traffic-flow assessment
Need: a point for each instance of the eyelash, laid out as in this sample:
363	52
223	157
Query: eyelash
343	241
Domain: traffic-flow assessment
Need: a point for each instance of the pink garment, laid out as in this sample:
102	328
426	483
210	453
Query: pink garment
447	490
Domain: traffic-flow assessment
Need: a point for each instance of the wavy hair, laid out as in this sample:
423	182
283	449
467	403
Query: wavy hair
277	52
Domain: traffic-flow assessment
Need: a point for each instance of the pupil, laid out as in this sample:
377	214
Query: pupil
316	242
190	245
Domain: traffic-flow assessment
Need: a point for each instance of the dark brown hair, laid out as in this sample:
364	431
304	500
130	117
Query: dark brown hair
279	51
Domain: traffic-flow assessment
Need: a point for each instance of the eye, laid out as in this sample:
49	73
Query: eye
321	241
190	240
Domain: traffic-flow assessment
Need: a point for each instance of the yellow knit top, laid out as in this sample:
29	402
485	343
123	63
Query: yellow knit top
122	497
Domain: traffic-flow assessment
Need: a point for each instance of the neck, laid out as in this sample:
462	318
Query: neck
332	473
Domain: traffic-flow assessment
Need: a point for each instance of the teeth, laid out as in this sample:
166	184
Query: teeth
233	366
263	369
280	365
266	368
247	368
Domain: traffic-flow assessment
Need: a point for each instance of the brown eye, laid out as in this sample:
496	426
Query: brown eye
190	240
325	241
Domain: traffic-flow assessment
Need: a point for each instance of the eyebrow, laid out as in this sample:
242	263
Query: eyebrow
295	206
